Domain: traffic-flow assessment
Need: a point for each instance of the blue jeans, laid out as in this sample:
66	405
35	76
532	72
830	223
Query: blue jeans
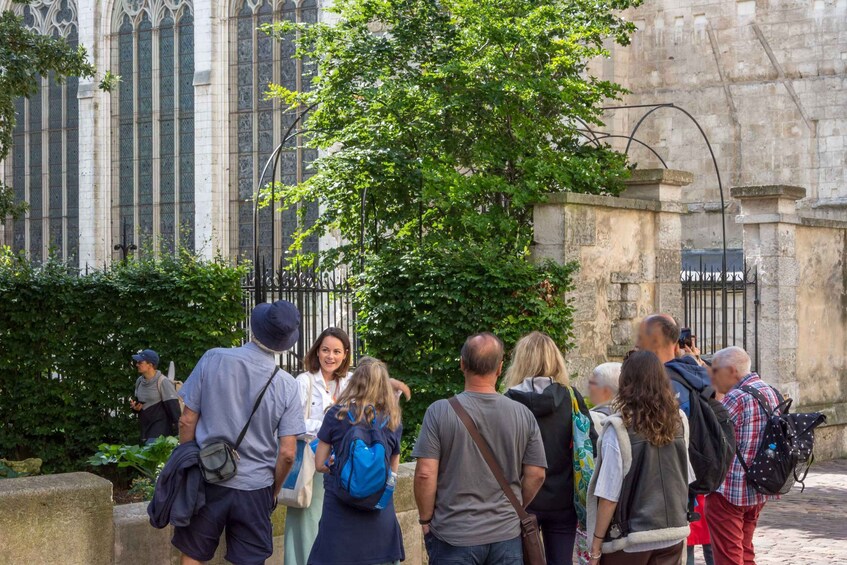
508	552
558	530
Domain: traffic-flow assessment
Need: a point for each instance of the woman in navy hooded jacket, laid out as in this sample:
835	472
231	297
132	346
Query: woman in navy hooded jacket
537	379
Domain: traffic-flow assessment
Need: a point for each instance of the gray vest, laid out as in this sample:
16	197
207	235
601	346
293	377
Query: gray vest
654	495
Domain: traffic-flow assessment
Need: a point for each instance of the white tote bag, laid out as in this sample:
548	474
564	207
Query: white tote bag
297	489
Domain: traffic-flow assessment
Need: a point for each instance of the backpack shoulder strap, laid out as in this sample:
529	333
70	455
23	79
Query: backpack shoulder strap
159	387
488	455
255	407
760	398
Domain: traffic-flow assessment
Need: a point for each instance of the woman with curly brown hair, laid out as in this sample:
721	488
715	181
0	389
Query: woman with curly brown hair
638	496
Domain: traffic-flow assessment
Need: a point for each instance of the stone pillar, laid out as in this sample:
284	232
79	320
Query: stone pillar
95	197
629	256
211	144
769	220
665	186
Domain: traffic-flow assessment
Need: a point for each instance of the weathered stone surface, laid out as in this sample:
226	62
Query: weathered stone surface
659	176
63	518
31	466
768	191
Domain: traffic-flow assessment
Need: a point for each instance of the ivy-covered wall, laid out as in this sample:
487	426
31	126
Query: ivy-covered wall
66	341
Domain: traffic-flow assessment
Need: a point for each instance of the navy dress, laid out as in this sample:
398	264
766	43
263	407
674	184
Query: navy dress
346	535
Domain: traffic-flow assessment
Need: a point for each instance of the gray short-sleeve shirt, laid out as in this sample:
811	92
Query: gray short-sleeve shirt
470	507
223	388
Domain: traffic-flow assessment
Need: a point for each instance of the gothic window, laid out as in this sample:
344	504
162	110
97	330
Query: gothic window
153	115
44	164
257	125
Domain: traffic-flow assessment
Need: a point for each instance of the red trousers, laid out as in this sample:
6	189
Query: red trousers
731	528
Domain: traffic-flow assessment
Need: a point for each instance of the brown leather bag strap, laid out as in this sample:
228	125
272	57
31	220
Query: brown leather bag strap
488	455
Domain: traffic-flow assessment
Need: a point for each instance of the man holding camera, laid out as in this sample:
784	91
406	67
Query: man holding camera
660	334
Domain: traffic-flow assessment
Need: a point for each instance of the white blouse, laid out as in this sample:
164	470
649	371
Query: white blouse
321	398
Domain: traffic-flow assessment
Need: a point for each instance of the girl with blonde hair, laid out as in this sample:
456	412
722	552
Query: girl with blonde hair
347	534
538	379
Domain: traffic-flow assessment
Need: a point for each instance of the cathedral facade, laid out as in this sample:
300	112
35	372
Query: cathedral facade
174	155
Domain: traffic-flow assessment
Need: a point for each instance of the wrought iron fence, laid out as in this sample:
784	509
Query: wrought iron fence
721	308
324	299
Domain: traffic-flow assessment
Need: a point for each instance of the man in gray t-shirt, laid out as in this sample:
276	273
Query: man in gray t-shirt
463	511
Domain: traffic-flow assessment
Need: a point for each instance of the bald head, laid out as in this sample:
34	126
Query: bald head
658	333
482	355
663	327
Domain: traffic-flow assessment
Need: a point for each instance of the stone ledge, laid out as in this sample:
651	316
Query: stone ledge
823	223
49	485
615	202
768	191
774	218
672	177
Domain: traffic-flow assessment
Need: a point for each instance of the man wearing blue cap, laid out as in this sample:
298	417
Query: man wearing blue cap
219	396
155	402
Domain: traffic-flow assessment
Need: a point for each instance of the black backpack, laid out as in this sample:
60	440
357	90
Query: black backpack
711	438
785	448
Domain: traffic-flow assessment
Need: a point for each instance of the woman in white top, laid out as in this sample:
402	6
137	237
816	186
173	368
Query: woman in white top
327	373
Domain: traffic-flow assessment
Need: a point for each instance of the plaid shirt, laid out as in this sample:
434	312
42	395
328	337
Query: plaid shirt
749	420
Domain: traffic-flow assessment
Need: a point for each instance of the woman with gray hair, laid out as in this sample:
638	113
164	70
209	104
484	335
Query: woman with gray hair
602	389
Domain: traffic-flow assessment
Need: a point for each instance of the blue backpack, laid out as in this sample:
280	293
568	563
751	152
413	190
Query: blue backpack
363	464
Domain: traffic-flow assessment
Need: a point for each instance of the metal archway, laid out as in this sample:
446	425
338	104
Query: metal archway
596	137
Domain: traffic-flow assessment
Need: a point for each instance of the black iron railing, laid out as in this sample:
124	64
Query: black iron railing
721	308
324	299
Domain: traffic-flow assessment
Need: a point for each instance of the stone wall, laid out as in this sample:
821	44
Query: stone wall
56	519
802	269
629	256
765	80
70	519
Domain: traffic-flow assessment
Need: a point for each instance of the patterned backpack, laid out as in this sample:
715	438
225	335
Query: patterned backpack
785	452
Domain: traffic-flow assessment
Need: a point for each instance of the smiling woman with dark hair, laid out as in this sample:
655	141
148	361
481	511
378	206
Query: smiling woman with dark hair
638	496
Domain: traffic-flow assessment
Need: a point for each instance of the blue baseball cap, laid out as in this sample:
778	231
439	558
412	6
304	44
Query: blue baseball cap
147	355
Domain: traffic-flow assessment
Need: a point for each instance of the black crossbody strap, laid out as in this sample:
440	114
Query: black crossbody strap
488	455
255	407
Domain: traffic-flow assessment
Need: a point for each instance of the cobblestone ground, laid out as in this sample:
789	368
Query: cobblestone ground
808	528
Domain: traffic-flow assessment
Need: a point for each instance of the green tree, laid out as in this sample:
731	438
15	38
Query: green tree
26	56
455	118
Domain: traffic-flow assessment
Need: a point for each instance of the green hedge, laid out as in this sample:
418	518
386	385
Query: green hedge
66	341
416	310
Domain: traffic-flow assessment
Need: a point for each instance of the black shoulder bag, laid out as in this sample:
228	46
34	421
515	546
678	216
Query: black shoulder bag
219	460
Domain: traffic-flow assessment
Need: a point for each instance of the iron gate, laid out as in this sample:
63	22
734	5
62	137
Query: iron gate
324	299
721	308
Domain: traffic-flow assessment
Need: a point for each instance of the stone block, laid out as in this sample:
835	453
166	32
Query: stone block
542	252
549	224
631	292
624	278
580	226
668	265
628	310
66	517
622	332
404	496
613	292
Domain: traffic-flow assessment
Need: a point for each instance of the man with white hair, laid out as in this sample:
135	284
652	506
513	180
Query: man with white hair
733	511
602	390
